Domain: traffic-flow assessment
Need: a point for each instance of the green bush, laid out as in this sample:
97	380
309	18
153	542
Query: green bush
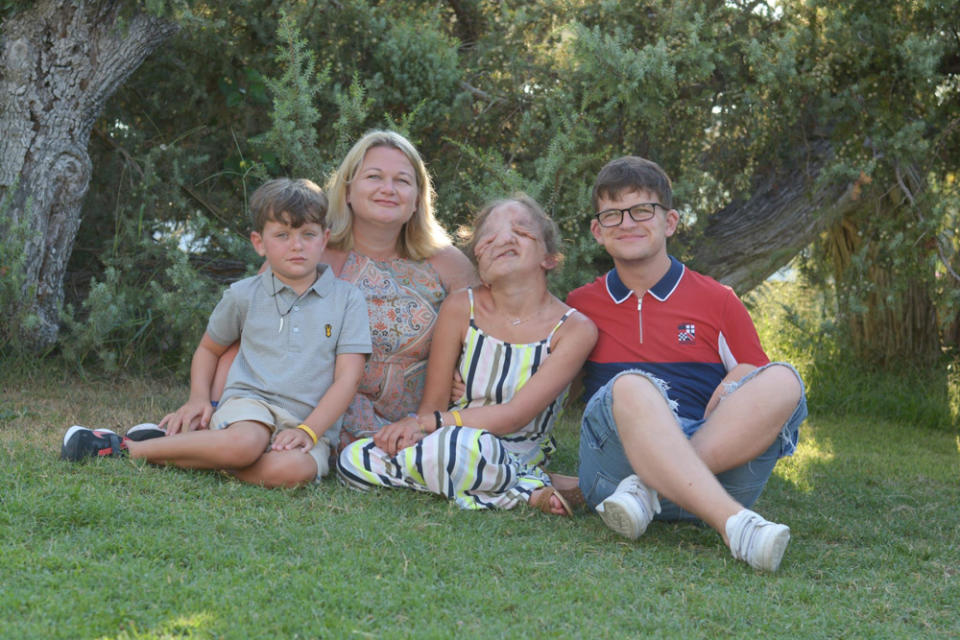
15	319
151	305
796	324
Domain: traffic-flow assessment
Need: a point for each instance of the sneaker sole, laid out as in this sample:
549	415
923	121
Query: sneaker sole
146	431
619	519
775	549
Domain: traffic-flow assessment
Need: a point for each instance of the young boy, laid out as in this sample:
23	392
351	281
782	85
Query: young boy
304	336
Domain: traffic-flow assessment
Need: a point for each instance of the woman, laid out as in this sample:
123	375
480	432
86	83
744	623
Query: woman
517	348
385	239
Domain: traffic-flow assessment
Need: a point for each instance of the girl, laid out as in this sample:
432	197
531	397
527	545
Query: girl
517	348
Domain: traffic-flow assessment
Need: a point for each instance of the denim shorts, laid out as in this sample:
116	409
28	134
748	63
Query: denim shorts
603	463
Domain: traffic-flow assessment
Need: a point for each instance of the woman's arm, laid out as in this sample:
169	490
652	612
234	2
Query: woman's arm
452	322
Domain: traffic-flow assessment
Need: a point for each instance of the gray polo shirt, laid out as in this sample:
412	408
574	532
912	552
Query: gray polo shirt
289	364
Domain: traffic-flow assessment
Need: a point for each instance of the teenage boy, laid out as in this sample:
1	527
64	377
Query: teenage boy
304	336
683	402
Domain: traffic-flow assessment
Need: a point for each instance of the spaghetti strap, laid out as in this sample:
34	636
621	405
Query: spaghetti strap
470	294
557	326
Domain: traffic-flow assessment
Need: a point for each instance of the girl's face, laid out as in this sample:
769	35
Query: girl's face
384	190
509	242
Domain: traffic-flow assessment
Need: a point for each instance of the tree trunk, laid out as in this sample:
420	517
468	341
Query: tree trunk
60	62
748	240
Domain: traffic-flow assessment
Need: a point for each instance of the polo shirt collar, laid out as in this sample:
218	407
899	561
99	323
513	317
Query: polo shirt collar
661	291
323	285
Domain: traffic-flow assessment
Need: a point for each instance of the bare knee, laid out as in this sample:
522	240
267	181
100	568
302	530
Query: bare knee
784	383
288	469
635	388
638	401
244	445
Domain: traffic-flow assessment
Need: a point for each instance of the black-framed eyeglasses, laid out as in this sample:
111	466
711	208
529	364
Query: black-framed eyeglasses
638	212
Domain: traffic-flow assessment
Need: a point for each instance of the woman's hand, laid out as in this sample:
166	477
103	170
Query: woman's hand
458	389
399	435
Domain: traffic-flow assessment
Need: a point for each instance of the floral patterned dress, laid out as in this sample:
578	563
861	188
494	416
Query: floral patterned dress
403	298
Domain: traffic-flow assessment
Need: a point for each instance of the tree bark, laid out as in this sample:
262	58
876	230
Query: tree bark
748	240
59	63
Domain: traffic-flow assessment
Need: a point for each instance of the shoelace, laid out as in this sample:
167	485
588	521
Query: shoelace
747	531
644	495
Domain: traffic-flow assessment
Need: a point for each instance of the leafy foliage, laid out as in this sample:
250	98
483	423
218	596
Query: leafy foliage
13	281
536	97
798	323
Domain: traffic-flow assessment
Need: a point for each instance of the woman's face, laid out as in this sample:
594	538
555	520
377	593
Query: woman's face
384	190
510	242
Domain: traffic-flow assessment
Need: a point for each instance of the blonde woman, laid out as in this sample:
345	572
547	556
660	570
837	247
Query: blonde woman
385	239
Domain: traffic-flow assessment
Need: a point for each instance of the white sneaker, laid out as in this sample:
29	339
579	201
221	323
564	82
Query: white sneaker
630	508
760	543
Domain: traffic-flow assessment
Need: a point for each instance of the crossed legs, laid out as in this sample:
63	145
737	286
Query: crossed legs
239	448
743	426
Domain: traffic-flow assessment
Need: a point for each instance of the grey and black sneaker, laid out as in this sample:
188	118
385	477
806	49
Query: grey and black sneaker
145	431
80	443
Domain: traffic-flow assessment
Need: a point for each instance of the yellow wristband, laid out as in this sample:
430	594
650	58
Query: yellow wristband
456	418
308	431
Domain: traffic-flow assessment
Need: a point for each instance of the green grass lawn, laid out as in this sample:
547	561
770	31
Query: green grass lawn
114	549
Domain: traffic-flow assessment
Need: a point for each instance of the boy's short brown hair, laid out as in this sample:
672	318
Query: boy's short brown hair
295	202
631	173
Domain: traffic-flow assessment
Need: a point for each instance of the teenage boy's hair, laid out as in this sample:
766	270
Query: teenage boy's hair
631	173
295	202
549	232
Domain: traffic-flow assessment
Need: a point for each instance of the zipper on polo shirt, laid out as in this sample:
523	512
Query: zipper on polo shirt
640	316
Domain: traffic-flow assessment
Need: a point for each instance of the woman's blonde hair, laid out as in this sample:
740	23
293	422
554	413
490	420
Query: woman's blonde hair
422	236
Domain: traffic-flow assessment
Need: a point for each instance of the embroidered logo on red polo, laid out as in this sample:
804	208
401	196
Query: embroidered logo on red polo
687	333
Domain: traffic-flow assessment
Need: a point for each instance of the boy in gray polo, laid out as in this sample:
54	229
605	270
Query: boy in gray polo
304	336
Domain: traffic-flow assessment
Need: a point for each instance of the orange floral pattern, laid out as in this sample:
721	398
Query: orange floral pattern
403	297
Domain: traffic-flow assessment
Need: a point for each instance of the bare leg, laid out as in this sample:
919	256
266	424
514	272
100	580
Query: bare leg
662	456
280	469
748	421
236	447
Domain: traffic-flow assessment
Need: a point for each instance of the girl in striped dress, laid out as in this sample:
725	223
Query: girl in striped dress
517	348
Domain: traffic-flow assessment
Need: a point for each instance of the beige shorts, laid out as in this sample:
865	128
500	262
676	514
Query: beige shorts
273	417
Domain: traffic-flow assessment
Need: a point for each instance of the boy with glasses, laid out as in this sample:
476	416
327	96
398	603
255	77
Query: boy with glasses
683	402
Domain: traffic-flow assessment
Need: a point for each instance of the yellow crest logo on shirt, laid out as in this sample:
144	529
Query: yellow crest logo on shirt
328	330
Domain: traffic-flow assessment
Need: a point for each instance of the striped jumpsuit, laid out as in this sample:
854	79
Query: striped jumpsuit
473	467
